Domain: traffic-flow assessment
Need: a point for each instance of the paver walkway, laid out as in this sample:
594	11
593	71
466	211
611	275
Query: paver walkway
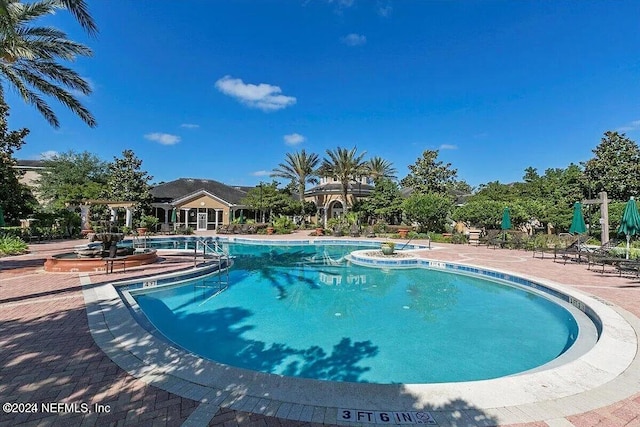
47	354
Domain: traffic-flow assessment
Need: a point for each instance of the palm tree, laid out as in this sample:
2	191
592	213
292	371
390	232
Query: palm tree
377	167
29	56
346	166
299	168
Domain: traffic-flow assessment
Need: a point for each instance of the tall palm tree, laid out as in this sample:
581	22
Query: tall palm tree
299	168
346	166
377	167
29	56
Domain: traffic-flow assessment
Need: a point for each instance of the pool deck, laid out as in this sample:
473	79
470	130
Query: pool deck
54	349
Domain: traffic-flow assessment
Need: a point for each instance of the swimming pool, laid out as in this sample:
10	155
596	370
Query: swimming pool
305	311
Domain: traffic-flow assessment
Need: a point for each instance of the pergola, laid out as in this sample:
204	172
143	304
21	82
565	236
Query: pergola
113	205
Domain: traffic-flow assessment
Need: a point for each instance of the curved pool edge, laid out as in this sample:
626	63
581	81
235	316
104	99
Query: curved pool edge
589	382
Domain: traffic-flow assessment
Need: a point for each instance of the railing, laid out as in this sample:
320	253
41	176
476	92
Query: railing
140	241
213	250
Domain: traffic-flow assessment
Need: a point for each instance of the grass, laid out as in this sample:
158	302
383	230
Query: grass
11	245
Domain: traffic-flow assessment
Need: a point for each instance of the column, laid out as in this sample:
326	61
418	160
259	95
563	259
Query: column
128	218
604	214
114	215
216	221
85	214
186	217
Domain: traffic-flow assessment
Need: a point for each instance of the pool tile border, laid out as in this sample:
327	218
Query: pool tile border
595	380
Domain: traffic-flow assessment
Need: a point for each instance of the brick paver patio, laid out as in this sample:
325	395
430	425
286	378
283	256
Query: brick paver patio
47	353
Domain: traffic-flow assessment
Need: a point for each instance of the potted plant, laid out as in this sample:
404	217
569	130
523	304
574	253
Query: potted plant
270	229
146	222
403	232
388	248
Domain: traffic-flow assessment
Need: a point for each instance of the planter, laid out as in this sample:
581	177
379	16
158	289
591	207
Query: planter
403	232
142	230
270	230
387	249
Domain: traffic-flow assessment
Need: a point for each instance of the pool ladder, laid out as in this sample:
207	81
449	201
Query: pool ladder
139	241
213	250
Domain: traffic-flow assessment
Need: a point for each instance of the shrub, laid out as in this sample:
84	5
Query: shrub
459	238
11	245
283	224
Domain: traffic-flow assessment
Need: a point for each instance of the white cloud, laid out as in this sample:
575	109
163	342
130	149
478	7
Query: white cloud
262	96
448	147
261	173
354	39
189	126
384	9
631	126
341	5
48	154
163	138
294	139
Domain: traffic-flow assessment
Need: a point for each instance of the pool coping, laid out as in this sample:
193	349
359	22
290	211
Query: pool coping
596	379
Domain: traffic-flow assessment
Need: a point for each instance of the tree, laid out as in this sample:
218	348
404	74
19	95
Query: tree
377	167
429	210
127	182
16	199
615	167
78	8
346	166
299	168
267	197
30	55
430	176
384	203
71	178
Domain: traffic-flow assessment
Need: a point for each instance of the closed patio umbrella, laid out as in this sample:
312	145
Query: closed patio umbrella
630	223
174	215
506	222
577	223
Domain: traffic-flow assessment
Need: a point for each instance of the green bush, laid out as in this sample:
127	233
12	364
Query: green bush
12	245
283	224
459	238
621	251
439	238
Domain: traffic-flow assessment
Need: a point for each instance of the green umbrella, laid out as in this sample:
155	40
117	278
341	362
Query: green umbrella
506	220
630	223
1	217
577	223
174	215
506	223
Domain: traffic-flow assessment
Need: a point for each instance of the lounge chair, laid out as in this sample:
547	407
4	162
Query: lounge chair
491	238
573	251
354	231
631	266
603	256
223	229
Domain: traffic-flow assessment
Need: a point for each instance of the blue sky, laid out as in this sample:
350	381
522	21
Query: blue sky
223	90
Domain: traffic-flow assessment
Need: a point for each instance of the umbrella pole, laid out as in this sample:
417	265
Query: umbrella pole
628	238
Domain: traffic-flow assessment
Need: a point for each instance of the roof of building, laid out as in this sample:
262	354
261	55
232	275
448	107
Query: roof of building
184	186
336	188
30	164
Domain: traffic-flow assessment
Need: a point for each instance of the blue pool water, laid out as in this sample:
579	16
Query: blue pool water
304	311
